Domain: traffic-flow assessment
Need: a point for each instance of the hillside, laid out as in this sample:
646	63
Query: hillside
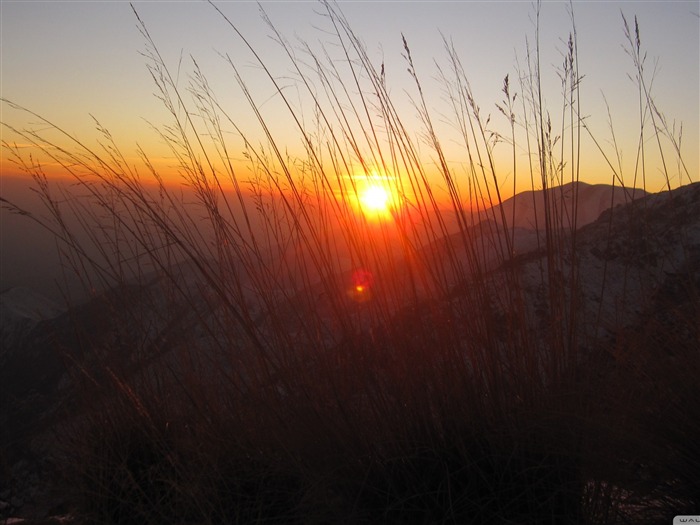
609	303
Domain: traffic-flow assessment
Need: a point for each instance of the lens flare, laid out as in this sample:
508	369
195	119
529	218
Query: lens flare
362	282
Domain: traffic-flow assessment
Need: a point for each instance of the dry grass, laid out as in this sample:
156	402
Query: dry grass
242	378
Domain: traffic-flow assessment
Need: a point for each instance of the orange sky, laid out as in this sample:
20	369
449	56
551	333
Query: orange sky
71	61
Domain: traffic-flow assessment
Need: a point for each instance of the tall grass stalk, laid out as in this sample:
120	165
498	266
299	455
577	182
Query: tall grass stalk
274	356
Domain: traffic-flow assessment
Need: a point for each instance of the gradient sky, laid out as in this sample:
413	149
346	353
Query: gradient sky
70	60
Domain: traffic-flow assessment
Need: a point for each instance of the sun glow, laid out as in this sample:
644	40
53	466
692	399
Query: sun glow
375	198
375	195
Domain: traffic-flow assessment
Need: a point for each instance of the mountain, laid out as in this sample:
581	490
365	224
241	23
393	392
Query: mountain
624	261
518	224
21	309
526	209
588	201
625	270
23	303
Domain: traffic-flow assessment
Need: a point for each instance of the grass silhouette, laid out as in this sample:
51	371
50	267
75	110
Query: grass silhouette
274	356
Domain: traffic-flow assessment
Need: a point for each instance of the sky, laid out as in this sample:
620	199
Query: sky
70	61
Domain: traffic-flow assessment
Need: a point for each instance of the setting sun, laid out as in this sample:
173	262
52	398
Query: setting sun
375	199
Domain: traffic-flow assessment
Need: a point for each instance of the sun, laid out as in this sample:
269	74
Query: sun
375	199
